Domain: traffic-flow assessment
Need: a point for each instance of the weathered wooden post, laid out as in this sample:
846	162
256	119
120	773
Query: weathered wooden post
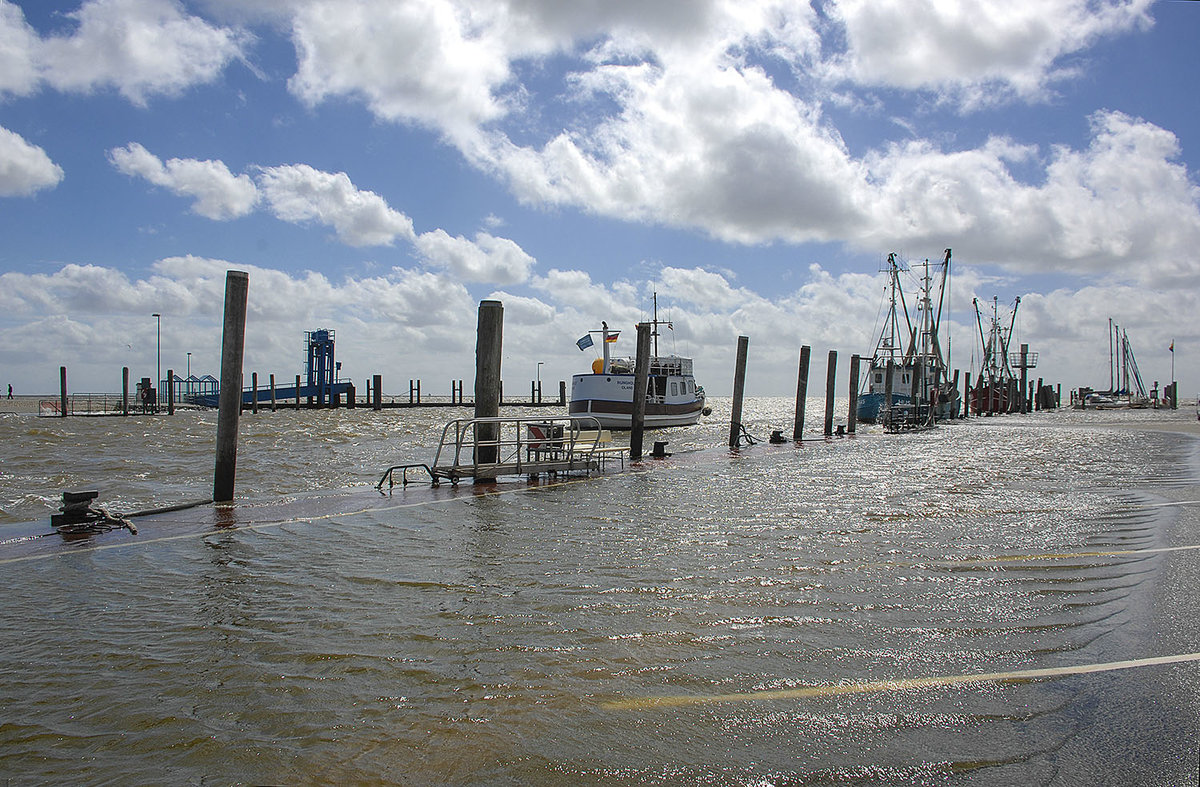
62	391
237	285
489	345
297	392
254	392
533	396
274	402
377	387
953	392
830	377
562	393
125	390
1037	400
170	392
801	393
966	410
885	409
852	415
1024	378
641	381
739	387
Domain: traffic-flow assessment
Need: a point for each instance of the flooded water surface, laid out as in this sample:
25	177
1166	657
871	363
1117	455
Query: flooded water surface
715	617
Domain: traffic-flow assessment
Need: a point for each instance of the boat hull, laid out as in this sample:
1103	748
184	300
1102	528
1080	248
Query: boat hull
609	399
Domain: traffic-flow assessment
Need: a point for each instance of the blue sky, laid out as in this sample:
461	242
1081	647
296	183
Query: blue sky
380	166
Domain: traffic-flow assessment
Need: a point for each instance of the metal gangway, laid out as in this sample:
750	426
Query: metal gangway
485	449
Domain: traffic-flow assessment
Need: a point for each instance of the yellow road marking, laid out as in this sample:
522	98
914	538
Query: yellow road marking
902	684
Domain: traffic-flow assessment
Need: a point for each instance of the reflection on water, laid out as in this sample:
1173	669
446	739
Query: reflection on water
453	637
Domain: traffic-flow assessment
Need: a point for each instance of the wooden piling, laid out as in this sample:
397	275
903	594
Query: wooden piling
966	408
1024	378
62	391
830	377
351	396
1037	401
641	381
254	392
489	345
377	387
852	415
801	393
237	285
739	387
170	392
562	393
885	409
125	390
297	392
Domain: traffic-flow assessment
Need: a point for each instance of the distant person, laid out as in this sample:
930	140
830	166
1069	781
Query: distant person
10	390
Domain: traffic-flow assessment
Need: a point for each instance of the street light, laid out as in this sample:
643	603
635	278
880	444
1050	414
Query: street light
158	365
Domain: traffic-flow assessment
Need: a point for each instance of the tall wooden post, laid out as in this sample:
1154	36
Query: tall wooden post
170	392
641	381
852	415
830	378
489	345
377	387
62	391
562	393
297	392
254	392
237	286
125	390
885	409
739	387
966	410
1024	377
274	402
801	393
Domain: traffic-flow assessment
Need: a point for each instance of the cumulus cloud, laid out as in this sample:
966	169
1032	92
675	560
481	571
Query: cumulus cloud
219	194
299	193
25	168
972	51
141	48
485	259
18	43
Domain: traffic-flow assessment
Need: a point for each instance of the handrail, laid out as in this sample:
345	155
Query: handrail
512	443
389	475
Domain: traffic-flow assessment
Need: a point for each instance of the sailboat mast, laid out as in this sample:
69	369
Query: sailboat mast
1112	386
655	323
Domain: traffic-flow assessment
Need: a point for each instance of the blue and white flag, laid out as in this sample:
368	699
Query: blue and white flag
585	342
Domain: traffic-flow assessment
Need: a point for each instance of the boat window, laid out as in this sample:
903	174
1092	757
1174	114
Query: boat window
878	377
906	378
674	389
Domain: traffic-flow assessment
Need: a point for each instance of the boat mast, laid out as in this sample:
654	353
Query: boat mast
654	330
1112	386
604	341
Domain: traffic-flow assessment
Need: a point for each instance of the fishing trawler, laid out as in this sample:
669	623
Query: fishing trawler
672	396
908	362
998	390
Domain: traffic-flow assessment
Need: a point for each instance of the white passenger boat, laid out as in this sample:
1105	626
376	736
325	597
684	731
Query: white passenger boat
672	396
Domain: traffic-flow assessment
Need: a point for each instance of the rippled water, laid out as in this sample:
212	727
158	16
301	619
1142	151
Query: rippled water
456	636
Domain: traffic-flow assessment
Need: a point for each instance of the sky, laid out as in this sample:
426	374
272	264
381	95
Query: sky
379	167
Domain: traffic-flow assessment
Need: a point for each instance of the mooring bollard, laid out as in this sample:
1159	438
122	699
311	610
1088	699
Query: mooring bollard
801	393
852	415
237	285
830	377
489	346
739	386
641	380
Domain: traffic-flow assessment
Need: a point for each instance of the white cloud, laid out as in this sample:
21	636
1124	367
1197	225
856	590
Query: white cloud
142	48
24	168
18	41
485	259
219	194
975	50
298	193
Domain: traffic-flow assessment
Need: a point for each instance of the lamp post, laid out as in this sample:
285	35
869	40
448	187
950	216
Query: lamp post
158	357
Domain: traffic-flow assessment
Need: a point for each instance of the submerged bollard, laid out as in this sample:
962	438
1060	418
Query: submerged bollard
489	345
237	285
641	380
801	393
830	377
739	386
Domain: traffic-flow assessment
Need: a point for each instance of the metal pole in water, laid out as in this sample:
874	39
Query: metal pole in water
739	386
830	377
62	391
125	390
801	393
237	285
852	415
489	344
641	373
